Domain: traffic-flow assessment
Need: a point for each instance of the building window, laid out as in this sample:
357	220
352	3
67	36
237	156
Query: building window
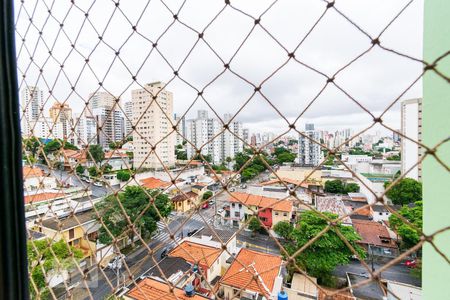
276	213
285	214
71	234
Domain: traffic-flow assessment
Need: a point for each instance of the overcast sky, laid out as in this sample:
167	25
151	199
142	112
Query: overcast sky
375	80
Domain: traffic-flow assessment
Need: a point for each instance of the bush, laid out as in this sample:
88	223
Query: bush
123	175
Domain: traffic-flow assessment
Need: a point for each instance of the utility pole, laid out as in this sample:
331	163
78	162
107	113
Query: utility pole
371	257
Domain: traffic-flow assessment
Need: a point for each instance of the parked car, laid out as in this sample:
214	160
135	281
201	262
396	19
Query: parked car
192	232
98	183
411	263
205	205
165	252
211	202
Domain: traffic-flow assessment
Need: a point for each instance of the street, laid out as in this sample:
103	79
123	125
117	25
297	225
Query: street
139	261
399	273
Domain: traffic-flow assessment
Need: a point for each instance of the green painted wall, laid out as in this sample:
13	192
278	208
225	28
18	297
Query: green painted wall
436	127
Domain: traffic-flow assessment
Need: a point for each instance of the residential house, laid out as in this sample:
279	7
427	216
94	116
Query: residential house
154	183
380	213
71	158
334	205
35	179
175	269
151	288
376	239
185	201
252	275
270	210
206	257
79	230
117	160
302	287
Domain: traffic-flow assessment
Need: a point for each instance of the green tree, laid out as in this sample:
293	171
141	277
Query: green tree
207	195
394	157
123	175
115	145
329	161
405	191
32	145
351	187
80	169
284	229
42	258
286	157
254	225
321	257
93	172
130	154
106	168
334	186
410	236
95	153
57	144
135	202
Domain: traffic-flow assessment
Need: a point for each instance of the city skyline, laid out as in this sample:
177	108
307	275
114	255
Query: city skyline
291	88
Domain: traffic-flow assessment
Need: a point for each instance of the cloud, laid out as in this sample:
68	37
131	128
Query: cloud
375	80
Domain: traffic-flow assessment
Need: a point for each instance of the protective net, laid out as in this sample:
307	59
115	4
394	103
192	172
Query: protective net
125	199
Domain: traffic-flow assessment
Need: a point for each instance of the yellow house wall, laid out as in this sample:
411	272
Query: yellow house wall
280	217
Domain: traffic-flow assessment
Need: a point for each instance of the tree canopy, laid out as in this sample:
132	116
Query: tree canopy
56	145
283	229
96	153
321	257
123	175
41	256
407	190
254	225
339	187
255	165
207	195
135	202
414	215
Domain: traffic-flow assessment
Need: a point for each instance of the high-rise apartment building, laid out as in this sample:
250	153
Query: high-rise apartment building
100	100
246	135
32	108
151	138
411	152
128	108
181	129
61	116
110	125
86	128
205	133
309	153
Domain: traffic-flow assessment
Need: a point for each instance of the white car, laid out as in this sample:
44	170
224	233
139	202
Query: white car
98	183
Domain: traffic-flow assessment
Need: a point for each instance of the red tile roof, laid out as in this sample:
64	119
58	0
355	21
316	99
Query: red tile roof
184	196
371	233
30	172
261	201
196	253
286	181
117	154
154	183
43	197
249	263
149	288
